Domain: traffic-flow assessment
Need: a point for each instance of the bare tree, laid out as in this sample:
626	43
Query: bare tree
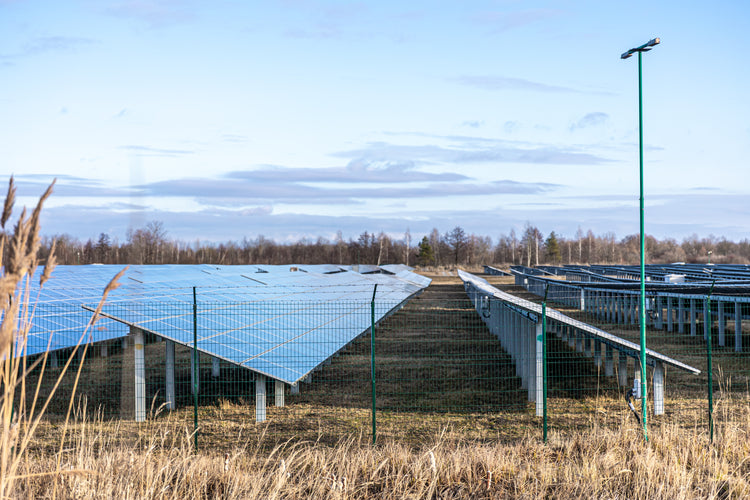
340	246
383	244
457	241
579	237
531	237
407	240
435	244
590	238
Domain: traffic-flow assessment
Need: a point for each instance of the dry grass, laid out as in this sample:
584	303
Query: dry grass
20	417
596	463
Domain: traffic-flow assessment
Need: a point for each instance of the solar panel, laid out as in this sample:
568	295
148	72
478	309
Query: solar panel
269	319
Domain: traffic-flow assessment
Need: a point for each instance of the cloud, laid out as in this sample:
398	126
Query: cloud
330	21
245	189
596	119
494	83
504	21
511	127
292	192
67	186
55	43
474	150
234	138
473	123
41	45
358	170
253	212
676	216
321	32
155	13
361	179
149	151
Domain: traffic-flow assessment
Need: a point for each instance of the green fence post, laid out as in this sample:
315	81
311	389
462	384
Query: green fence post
544	360
13	395
372	359
196	370
710	367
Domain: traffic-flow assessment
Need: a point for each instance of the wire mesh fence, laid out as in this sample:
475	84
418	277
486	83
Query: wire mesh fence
698	328
472	365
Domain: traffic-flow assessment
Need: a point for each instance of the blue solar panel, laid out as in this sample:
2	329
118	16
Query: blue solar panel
281	321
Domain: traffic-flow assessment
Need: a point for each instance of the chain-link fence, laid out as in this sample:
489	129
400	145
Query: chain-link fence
696	325
473	365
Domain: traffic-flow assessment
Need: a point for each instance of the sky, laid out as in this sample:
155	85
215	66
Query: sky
294	119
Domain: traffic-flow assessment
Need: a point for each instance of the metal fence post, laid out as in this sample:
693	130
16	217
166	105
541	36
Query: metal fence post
372	359
196	370
710	368
544	360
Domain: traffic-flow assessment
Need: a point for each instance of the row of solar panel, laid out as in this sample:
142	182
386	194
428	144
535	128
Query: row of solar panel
267	325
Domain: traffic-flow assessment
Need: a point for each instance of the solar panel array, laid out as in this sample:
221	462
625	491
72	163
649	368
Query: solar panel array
630	348
280	321
723	274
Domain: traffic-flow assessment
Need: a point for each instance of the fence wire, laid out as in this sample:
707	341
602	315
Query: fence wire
442	363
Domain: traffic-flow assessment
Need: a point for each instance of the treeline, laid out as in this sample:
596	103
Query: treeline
151	245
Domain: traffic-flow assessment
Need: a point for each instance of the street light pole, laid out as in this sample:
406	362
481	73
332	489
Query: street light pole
642	309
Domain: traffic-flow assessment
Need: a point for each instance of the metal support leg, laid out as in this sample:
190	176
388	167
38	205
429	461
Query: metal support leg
597	353
170	392
722	325
278	398
622	369
260	398
140	374
659	314
195	371
659	388
670	326
692	318
609	358
706	325
738	326
529	358
680	316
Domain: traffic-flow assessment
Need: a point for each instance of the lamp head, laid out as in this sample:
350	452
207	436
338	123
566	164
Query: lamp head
643	48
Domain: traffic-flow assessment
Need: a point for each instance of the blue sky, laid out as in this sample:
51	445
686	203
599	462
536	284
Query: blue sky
300	118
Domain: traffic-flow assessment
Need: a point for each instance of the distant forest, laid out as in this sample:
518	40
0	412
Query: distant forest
151	245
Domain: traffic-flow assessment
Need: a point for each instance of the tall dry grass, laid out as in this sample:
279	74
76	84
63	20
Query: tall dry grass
20	416
599	463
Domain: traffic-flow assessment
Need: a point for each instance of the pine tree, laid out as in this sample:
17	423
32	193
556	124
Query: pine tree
553	249
426	256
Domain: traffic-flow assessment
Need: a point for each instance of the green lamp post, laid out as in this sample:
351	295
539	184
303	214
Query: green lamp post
642	309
